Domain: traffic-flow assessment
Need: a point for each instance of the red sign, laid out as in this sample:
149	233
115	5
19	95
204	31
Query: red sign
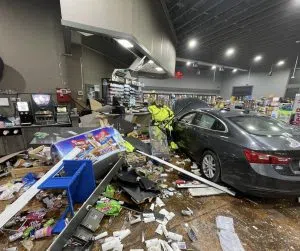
178	74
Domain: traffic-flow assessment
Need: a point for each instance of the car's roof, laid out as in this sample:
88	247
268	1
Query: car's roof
229	113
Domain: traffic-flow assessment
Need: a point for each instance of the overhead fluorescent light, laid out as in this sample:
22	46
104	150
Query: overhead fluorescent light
125	43
229	52
150	62
257	58
214	67
188	63
159	69
192	43
86	34
280	63
234	70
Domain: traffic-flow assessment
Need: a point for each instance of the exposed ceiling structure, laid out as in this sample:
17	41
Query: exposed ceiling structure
252	27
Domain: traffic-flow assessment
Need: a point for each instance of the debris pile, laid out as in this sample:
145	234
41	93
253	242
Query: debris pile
35	161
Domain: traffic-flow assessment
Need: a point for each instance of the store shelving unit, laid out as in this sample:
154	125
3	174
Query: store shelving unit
166	98
129	92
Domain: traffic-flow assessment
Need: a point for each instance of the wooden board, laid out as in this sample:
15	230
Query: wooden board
21	172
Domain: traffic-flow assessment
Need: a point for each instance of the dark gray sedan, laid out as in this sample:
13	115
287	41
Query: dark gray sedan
255	154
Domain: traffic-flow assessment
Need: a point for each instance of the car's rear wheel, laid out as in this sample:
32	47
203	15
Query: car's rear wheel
210	166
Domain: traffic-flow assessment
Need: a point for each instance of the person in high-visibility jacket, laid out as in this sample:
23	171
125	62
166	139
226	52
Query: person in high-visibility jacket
219	103
162	116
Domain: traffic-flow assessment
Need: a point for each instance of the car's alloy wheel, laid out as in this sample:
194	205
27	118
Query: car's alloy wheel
210	166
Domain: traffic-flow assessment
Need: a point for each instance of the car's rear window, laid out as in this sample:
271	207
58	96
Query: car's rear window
261	125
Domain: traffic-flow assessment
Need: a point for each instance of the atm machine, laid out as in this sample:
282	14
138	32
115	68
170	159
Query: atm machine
25	114
43	109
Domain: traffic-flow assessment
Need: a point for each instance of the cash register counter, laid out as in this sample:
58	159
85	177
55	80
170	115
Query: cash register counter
18	138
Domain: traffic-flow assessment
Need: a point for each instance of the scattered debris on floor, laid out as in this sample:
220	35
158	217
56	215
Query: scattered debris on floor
136	211
229	240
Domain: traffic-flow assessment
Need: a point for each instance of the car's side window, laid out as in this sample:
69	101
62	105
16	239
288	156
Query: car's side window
188	118
208	122
205	121
218	126
197	120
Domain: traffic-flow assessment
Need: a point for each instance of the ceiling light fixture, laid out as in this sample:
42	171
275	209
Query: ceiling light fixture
192	43
214	67
280	63
159	69
229	52
125	43
257	58
150	62
234	70
188	63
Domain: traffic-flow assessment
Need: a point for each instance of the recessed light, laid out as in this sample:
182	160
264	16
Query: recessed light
159	69
234	70
257	58
125	43
280	63
214	67
150	62
229	52
192	43
188	63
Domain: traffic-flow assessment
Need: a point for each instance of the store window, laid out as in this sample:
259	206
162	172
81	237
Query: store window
188	118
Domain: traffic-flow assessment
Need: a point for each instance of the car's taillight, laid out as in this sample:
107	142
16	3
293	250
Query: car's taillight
262	158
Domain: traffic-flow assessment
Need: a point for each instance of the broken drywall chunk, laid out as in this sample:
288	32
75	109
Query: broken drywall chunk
174	236
225	223
153	244
159	229
187	212
175	246
208	191
100	236
159	202
112	244
134	221
230	241
122	234
150	219
152	207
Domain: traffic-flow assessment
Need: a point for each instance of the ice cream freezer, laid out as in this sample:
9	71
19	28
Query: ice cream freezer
96	145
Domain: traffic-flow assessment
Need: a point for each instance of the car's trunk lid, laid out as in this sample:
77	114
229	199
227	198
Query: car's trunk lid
282	145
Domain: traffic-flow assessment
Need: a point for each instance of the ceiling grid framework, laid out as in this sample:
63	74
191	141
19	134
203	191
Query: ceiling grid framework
252	27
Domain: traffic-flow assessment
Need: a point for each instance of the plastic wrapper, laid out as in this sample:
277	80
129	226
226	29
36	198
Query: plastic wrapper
109	207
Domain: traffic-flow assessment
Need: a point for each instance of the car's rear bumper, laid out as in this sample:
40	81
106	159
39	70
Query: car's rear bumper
264	181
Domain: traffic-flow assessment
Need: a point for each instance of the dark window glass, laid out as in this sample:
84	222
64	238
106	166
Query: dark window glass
218	126
188	118
208	122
